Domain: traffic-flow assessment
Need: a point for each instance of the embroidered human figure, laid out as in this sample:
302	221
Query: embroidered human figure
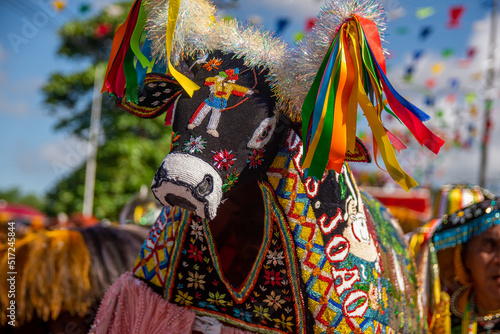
222	87
361	243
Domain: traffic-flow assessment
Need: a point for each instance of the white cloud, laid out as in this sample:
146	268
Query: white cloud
16	98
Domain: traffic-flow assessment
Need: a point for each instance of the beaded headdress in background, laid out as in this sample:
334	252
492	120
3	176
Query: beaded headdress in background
461	226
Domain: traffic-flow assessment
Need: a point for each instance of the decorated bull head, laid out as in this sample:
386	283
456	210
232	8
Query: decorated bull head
224	135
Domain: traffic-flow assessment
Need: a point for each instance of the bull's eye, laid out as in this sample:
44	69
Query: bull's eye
263	133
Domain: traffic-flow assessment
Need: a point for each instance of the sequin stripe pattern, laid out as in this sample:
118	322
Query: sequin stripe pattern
404	304
316	272
152	262
275	303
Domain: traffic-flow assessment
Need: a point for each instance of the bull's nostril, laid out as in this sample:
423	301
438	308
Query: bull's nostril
161	173
205	187
175	200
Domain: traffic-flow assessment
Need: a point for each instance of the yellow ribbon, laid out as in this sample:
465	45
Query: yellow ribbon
173	12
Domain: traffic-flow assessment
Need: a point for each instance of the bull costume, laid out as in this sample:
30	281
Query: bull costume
264	228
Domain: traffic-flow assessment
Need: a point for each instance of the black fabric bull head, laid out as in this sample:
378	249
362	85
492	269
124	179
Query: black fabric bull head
226	134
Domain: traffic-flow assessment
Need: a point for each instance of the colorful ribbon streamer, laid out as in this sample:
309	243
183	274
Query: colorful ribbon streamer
352	70
121	73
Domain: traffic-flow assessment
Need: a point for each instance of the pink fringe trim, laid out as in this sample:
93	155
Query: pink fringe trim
130	306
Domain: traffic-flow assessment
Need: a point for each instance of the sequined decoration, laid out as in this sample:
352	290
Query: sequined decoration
224	159
231	179
212	63
195	145
256	158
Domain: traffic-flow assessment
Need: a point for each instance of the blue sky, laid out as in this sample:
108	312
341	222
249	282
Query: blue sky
34	157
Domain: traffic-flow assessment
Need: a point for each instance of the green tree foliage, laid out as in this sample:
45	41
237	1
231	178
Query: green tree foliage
131	149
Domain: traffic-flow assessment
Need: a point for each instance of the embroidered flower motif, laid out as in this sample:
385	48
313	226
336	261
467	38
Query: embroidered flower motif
175	137
373	296
216	298
205	305
196	280
243	315
195	253
462	216
256	158
285	323
197	230
273	277
224	159
195	145
274	300
183	298
261	312
275	257
231	179
212	63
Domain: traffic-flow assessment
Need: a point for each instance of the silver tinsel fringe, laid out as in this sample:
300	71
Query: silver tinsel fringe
292	68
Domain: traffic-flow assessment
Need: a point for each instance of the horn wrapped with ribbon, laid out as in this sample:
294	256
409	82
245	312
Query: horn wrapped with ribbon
352	70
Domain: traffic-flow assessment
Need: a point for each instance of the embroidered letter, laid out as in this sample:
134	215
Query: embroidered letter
337	249
326	228
352	300
311	186
347	279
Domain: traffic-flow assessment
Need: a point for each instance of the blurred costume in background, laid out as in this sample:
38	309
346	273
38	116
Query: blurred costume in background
465	212
62	274
142	209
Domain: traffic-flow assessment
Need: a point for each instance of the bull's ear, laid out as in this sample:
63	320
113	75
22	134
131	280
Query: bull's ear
359	154
157	96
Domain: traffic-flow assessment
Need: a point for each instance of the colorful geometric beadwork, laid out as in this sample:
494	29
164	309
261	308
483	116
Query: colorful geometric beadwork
154	257
374	294
269	300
